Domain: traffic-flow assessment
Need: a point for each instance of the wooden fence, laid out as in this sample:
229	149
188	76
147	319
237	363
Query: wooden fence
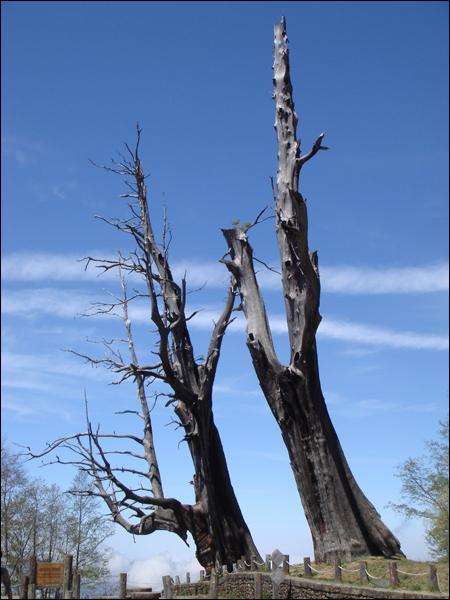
279	564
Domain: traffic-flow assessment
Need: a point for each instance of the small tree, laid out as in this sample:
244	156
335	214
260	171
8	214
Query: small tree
41	520
85	530
425	491
14	483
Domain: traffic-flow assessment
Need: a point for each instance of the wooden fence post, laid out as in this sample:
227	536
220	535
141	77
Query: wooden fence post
253	566
177	580
167	587
432	574
32	570
32	577
267	561
258	585
122	585
235	568
363	572
214	586
188	578
23	592
76	585
393	575
285	566
67	574
202	575
307	565
337	569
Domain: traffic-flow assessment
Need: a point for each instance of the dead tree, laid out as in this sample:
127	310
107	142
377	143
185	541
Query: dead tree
343	522
215	520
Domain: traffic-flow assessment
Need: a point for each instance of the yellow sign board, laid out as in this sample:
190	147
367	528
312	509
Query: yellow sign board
50	574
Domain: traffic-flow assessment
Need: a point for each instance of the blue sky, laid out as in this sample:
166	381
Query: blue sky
76	76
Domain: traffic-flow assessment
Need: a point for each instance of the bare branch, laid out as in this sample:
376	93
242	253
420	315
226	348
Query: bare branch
133	412
267	266
316	147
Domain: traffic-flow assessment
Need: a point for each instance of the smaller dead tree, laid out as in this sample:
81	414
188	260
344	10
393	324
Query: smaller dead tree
215	520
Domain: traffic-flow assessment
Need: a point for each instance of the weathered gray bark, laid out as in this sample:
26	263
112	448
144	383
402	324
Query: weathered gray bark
343	522
215	520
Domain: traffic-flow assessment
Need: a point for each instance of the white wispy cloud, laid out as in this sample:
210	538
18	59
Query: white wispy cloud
338	280
57	192
345	279
373	406
59	364
404	280
213	274
360	333
23	151
50	301
368	334
377	336
69	303
53	385
44	266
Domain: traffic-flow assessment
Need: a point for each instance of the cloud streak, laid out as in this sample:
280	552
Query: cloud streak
376	336
360	333
33	267
68	303
374	407
335	280
59	303
406	280
21	150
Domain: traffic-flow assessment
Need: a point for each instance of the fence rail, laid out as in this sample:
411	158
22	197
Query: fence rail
276	562
279	565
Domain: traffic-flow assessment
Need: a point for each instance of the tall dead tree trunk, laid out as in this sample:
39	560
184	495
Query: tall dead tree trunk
219	530
343	522
215	520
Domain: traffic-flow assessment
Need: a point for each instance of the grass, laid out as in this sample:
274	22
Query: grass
377	566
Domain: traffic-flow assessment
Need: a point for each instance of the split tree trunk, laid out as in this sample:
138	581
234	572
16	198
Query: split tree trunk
343	522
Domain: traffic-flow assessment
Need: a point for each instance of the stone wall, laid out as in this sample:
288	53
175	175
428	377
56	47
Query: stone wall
242	585
191	589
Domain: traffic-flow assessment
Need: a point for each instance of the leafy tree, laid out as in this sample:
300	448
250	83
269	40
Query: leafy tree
41	520
15	537
85	530
425	483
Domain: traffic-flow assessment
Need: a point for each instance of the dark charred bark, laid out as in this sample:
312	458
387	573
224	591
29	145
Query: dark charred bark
343	522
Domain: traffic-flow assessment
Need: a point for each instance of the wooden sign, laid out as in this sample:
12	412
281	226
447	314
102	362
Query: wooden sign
50	574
